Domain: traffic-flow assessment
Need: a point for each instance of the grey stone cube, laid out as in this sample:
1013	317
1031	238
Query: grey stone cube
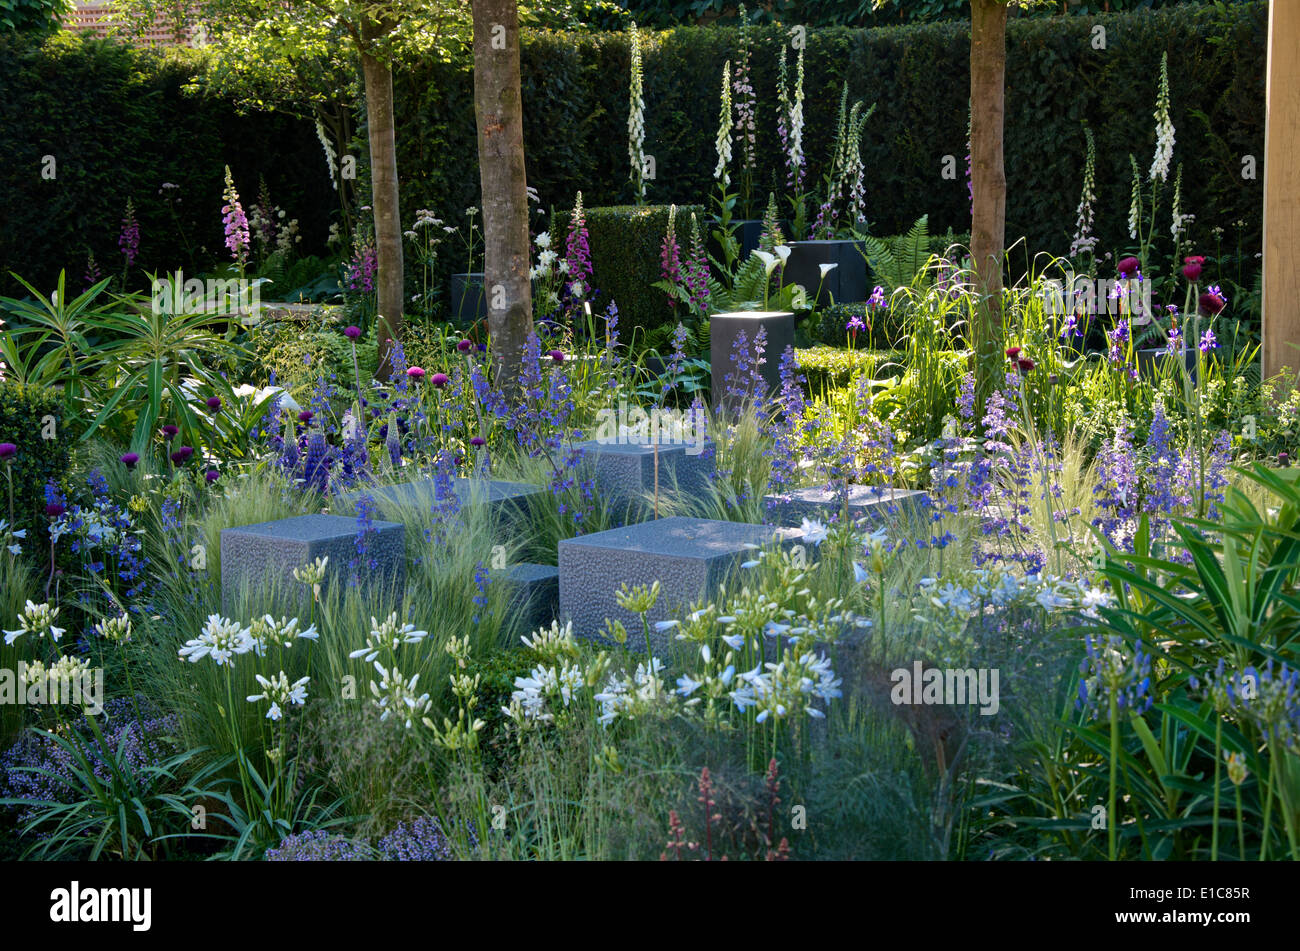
725	328
866	503
505	499
625	472
265	554
534	595
689	557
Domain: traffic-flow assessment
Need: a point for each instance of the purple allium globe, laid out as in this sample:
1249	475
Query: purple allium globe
352	333
415	373
213	403
465	346
54	509
129	459
1127	267
1192	267
1025	364
1013	353
212	475
478	441
1211	302
8	450
170	431
438	379
557	356
305	416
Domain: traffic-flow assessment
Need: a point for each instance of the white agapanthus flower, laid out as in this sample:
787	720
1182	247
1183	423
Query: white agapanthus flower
115	629
37	620
388	635
814	532
396	696
222	639
280	693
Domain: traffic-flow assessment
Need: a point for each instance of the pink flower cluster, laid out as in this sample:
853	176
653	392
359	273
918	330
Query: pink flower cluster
235	222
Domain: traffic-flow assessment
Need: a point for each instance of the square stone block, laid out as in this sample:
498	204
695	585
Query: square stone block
725	328
505	499
534	595
625	472
865	503
846	282
268	552
689	557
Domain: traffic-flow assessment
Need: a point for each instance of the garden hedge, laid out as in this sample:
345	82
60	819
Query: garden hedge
119	122
38	460
575	107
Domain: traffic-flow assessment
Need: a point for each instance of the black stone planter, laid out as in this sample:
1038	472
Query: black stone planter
723	330
468	300
845	283
1151	360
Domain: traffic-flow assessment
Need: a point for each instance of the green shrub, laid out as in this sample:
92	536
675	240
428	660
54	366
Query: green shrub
887	327
300	355
828	368
625	242
22	409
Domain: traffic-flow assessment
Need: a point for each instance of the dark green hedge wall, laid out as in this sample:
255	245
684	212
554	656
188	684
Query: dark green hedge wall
119	124
575	107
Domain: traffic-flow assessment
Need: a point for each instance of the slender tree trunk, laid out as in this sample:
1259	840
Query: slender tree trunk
384	199
988	59
498	108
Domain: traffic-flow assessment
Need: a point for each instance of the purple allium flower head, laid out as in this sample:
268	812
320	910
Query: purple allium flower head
55	509
8	450
214	403
352	333
465	346
1127	267
1212	301
557	356
212	475
415	373
170	431
305	416
439	380
478	441
130	459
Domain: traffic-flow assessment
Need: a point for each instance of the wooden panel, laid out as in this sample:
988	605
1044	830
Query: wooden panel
1281	303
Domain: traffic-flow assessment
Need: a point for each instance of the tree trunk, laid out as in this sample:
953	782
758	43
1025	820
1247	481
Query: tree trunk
384	199
498	108
988	59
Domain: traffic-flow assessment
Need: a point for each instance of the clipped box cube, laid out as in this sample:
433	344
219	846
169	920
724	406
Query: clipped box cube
866	503
689	557
264	555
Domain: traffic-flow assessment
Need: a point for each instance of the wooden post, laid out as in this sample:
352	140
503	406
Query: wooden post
1281	298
